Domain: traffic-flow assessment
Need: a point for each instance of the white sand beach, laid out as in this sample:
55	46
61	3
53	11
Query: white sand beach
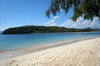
81	53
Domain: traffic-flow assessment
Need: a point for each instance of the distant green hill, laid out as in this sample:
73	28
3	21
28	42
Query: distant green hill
42	29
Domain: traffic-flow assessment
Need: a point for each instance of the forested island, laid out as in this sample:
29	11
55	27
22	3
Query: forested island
42	29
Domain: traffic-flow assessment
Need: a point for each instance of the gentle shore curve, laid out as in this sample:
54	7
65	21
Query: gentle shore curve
81	53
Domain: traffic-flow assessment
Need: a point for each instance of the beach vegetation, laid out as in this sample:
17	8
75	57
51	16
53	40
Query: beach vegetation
85	8
42	29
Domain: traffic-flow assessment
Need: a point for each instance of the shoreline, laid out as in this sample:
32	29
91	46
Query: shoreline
81	53
54	32
32	49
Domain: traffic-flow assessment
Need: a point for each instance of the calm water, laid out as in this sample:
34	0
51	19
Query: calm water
23	40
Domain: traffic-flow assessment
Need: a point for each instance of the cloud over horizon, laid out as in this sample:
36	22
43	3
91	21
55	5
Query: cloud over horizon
81	23
51	22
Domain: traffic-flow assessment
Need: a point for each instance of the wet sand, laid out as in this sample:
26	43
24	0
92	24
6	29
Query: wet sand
78	53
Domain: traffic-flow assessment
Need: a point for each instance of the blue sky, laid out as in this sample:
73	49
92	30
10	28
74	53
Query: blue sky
15	13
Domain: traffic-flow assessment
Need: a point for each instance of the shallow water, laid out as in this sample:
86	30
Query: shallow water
13	41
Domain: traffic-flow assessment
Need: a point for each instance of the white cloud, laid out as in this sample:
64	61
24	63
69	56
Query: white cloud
51	22
81	23
95	23
56	17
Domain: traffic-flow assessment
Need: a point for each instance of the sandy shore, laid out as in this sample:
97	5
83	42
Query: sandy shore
81	53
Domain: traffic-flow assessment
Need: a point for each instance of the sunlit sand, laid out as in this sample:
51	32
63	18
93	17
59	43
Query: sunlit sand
82	53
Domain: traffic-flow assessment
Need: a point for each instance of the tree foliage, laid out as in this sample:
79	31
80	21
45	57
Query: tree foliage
86	8
42	29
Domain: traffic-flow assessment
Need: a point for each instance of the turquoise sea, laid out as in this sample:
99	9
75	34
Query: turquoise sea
14	41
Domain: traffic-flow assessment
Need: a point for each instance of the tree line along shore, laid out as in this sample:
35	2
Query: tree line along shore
43	29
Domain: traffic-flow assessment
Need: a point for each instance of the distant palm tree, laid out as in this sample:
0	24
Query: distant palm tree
86	8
